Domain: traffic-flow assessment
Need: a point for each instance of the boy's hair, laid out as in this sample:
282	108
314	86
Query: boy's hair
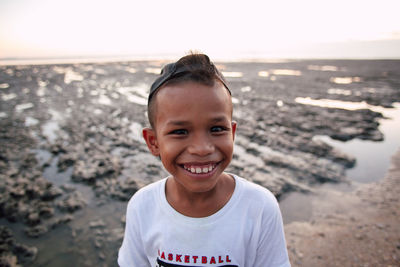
194	67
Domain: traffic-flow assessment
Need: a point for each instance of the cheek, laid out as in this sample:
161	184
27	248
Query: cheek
226	146
170	150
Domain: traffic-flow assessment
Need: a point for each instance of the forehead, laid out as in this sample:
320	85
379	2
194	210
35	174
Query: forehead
190	98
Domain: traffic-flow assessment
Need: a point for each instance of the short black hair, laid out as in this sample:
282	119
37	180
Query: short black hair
194	67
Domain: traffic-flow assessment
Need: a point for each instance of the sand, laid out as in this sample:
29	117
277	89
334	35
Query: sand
358	228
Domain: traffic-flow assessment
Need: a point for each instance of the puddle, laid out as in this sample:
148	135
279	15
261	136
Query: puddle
136	94
372	158
22	107
372	162
263	73
42	156
322	68
71	76
345	80
297	207
232	74
153	70
338	91
104	100
330	103
136	132
29	121
245	89
4	85
7	97
92	231
130	70
286	72
49	130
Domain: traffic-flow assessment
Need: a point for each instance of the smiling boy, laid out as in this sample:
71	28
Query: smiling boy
199	215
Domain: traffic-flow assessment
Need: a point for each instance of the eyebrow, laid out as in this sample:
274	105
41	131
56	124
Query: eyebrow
178	123
220	119
184	123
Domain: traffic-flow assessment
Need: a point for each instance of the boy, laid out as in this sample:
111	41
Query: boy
200	215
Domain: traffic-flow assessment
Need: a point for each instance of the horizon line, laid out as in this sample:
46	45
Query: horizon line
80	59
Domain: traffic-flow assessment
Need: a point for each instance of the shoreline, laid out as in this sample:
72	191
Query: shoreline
167	58
356	228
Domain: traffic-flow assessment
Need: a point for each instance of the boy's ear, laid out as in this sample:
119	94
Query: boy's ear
151	140
234	124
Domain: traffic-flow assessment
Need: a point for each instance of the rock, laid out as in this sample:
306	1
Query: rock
33	218
11	252
83	173
50	193
36	231
68	188
72	202
98	223
66	160
117	234
97	167
17	192
61	220
125	189
8	260
46	211
25	253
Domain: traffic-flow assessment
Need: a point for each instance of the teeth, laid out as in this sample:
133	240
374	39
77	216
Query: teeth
198	170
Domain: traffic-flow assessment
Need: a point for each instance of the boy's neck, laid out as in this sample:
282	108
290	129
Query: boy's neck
201	204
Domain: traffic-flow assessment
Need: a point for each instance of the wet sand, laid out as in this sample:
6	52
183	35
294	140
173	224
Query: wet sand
71	154
357	228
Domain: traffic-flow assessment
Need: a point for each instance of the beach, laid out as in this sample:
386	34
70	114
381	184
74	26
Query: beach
358	228
72	155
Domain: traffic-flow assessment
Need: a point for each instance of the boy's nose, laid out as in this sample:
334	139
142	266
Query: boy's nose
201	146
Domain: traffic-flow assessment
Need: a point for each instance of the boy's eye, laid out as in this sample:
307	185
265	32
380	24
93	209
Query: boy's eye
179	132
216	129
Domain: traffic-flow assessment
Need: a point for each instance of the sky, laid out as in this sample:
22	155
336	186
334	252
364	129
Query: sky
221	28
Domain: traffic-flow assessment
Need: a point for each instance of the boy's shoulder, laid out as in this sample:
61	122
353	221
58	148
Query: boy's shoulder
148	194
254	193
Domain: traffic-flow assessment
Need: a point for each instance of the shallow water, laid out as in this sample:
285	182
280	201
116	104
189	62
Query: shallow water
372	162
372	158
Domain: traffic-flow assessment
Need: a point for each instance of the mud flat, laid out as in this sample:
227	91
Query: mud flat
71	154
358	228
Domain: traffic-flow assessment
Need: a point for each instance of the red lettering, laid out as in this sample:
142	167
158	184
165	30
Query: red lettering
195	259
228	259
163	255
170	257
204	259
220	260
178	258
187	259
158	252
212	260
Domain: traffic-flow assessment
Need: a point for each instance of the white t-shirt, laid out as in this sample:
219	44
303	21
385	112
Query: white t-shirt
246	232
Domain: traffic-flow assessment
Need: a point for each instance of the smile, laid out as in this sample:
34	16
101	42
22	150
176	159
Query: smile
200	169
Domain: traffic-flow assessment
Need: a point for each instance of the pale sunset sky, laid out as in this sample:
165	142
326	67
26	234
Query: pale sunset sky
226	29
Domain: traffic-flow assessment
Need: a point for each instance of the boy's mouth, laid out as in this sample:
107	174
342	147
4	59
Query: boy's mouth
200	169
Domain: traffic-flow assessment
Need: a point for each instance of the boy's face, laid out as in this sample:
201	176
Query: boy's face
193	133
